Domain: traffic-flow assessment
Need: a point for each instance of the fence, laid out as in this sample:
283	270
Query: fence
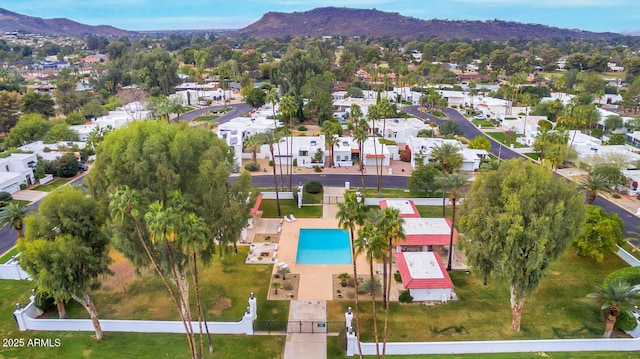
27	320
298	326
12	270
496	346
281	195
627	257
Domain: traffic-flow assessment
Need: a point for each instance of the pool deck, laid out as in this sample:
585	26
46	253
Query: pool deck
315	279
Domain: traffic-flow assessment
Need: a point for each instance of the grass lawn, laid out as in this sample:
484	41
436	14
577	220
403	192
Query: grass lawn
225	289
22	202
51	185
434	211
627	247
500	137
206	118
483	123
558	310
533	155
372	192
10	253
288	206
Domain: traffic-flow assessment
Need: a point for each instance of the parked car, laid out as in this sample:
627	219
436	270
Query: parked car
480	117
82	167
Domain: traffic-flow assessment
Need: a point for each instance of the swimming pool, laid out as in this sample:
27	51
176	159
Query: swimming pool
323	246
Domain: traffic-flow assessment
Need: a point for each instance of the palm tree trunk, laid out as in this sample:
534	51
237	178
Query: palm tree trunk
373	303
360	162
386	309
453	222
183	302
201	314
385	271
608	331
275	181
357	302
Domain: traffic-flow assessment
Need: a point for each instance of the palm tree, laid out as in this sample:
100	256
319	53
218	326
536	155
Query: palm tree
270	138
393	230
595	184
372	244
252	143
617	297
344	277
361	135
331	129
450	159
13	214
275	286
456	183
491	165
351	214
289	105
273	99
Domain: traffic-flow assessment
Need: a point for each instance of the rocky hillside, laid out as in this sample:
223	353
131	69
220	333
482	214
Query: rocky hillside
11	21
375	23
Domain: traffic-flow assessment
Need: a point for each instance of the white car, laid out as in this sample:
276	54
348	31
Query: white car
479	117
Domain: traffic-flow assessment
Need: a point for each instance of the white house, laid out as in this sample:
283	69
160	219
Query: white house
590	154
239	129
422	234
398	129
51	151
345	152
17	169
374	152
421	147
424	276
303	154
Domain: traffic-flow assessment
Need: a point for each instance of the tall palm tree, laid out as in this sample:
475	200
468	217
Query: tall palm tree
456	182
393	230
252	143
13	214
273	99
450	160
331	129
491	165
616	297
289	106
594	185
351	214
372	244
270	138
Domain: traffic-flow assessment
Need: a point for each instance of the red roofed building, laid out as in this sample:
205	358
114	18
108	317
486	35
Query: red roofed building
422	234
424	275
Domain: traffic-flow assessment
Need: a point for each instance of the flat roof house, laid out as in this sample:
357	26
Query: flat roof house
424	276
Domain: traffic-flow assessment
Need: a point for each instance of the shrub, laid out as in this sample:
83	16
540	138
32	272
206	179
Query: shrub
367	284
302	128
44	301
252	166
405	156
312	187
630	275
616	196
295	162
271	163
287	286
397	277
317	168
23	186
5	196
66	166
405	297
46	149
626	322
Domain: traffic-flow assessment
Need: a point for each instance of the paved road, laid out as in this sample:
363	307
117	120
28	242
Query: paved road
239	109
8	235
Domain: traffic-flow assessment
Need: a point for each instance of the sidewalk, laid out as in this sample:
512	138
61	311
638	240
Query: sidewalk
306	345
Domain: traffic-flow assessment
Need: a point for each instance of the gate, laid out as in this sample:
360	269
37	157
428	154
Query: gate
297	326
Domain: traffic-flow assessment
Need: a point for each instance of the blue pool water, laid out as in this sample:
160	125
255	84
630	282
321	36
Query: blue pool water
323	246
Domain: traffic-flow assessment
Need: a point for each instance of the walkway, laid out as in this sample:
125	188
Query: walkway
306	345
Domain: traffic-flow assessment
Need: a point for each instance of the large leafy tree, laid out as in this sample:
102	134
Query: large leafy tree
423	178
65	250
30	127
515	222
10	109
616	297
351	214
601	234
139	172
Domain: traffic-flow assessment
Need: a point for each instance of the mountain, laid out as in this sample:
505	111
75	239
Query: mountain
11	21
374	23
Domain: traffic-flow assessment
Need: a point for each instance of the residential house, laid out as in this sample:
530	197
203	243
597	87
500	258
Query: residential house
398	129
406	207
424	276
17	169
420	149
345	152
306	151
51	151
238	129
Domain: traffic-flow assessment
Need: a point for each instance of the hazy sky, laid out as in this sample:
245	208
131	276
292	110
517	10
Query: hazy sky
592	15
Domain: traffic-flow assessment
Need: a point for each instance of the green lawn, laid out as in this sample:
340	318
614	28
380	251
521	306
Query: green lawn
500	137
483	123
533	155
287	207
51	185
629	248
372	192
5	257
434	211
22	202
226	287
558	310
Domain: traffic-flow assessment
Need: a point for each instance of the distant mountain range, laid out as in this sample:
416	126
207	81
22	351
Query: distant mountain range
348	22
11	21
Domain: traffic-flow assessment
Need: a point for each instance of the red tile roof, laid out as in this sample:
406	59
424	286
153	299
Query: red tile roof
255	208
422	283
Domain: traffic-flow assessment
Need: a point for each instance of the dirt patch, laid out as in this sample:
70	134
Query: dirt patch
288	287
123	273
221	305
265	238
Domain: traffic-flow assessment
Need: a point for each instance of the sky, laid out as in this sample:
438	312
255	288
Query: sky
137	15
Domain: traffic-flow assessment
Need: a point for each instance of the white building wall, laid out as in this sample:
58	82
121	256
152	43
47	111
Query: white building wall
430	294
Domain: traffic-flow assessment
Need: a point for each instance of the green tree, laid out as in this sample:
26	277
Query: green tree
510	232
66	251
30	127
594	185
66	165
288	106
610	172
456	183
480	143
331	130
601	234
423	178
612	123
255	97
616	297
61	132
451	128
350	214
41	103
10	109
13	215
450	159
253	143
271	138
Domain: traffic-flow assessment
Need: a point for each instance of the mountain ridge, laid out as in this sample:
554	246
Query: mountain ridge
350	22
11	21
